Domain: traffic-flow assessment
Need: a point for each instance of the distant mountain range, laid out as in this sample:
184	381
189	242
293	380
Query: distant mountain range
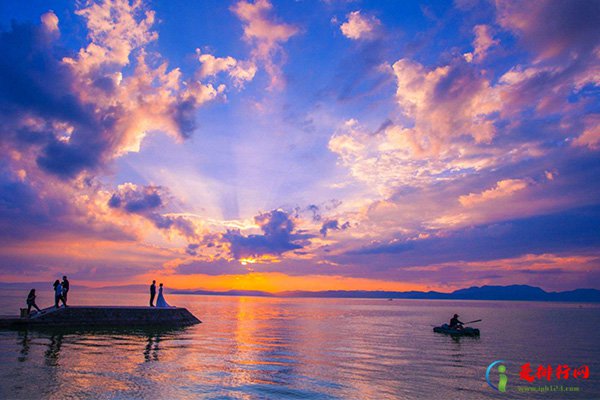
512	292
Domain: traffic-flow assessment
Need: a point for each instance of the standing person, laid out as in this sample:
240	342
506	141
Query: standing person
160	301
65	285
152	293
31	302
58	293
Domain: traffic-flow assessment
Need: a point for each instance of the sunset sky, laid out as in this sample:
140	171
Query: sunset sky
309	145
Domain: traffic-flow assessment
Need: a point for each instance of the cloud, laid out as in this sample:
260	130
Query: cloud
449	113
565	60
334	225
481	44
266	36
561	232
191	249
279	236
65	117
457	119
147	201
33	209
136	200
239	71
502	189
115	29
449	101
212	65
552	29
591	135
50	21
360	27
76	114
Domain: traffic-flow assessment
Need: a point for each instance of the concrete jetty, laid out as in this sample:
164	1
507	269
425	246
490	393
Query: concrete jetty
104	316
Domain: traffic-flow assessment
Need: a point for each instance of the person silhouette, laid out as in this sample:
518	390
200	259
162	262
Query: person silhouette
455	323
58	293
152	293
31	302
65	286
160	301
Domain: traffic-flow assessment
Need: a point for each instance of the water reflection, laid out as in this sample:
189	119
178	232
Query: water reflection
52	355
25	342
152	347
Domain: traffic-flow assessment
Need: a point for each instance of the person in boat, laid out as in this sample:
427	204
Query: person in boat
455	323
31	302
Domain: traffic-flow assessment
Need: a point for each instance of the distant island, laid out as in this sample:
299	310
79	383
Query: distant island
511	292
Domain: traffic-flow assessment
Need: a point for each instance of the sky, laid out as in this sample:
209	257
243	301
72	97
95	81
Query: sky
301	145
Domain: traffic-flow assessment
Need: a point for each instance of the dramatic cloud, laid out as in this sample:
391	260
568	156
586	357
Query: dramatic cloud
360	26
459	127
74	114
266	36
450	115
278	237
451	112
66	116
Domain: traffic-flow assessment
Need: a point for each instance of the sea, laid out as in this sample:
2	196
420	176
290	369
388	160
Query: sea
309	348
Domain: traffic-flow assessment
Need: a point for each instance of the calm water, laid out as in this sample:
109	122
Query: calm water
255	348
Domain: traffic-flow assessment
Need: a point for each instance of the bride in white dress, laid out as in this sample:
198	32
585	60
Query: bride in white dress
160	301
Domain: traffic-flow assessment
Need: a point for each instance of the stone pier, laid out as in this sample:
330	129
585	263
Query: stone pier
87	316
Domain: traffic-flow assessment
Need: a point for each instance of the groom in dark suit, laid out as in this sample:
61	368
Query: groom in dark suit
152	293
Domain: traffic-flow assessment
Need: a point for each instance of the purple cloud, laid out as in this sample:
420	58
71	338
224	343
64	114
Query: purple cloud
333	224
278	236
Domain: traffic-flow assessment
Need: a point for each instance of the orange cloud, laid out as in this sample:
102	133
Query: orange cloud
50	21
504	188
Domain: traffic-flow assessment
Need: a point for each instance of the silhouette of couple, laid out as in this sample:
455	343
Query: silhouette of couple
61	289
160	301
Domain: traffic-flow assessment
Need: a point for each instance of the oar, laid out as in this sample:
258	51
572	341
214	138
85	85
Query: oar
470	322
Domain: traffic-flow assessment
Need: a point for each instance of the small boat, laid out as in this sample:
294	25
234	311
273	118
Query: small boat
456	332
